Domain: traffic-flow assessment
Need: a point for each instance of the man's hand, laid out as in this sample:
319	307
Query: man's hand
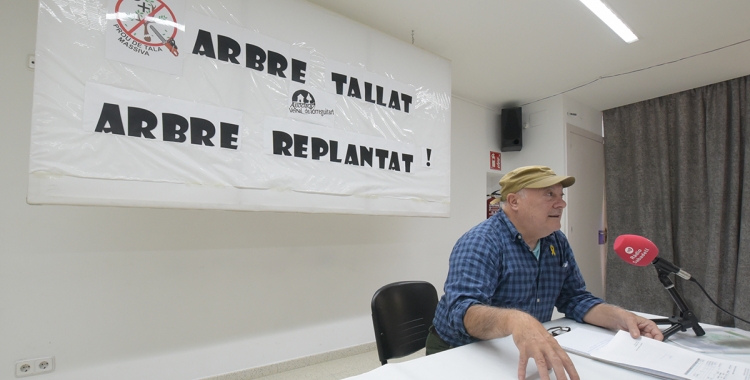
638	326
531	338
534	342
615	318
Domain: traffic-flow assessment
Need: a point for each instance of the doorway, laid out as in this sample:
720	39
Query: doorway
585	161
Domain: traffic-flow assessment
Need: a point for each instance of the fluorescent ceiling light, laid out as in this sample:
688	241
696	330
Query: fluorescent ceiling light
602	11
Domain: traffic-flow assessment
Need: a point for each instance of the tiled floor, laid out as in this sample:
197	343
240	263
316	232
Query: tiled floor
339	368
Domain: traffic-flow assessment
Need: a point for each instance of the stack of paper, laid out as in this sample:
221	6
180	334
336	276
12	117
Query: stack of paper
650	356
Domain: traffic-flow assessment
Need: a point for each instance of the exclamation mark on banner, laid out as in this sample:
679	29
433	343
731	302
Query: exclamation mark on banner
426	153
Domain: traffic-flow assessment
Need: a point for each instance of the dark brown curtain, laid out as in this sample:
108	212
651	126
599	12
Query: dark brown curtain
677	168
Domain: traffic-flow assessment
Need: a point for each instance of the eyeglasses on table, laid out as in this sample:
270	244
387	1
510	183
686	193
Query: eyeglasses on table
557	330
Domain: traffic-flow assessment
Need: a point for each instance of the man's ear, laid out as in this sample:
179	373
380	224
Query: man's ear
512	200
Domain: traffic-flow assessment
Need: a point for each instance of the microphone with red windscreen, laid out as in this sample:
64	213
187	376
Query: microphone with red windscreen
639	251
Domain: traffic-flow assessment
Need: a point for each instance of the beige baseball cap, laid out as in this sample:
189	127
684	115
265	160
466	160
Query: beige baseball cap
531	177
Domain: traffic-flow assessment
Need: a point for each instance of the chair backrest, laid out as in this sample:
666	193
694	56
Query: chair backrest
402	314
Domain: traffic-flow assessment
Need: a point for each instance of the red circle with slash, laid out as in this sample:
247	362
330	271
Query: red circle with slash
142	20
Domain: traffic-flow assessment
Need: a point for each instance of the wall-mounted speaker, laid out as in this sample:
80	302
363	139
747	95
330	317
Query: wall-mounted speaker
511	130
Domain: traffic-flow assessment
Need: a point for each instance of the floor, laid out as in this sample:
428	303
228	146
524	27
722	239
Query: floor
339	368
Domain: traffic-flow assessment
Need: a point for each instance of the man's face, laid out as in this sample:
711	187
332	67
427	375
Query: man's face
541	209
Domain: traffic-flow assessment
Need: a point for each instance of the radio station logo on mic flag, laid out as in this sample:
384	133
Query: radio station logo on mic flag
635	250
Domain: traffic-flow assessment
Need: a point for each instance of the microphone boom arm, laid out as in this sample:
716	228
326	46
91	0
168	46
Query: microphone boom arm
686	319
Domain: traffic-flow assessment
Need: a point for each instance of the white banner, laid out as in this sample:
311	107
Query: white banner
251	105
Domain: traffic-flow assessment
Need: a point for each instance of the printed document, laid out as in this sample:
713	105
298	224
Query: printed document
651	356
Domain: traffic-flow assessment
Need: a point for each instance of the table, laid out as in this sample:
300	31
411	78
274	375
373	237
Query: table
497	359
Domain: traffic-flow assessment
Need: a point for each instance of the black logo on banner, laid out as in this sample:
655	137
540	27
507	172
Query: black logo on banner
303	99
303	102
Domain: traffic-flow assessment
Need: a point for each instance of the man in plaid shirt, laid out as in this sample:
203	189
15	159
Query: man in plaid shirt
507	273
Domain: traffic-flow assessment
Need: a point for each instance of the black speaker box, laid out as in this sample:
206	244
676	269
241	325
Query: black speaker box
511	130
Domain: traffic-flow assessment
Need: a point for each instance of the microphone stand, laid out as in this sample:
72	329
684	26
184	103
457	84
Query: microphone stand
686	319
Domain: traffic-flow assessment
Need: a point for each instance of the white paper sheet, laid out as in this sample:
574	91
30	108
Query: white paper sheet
651	356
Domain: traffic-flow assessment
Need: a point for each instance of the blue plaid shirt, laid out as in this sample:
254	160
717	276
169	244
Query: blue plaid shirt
492	265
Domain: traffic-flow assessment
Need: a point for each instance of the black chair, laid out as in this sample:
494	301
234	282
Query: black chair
402	314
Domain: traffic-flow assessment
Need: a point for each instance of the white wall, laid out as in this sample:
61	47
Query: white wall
582	116
125	291
543	137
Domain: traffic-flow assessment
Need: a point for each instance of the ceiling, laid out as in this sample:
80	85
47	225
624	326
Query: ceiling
507	53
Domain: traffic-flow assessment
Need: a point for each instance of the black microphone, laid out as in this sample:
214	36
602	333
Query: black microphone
639	251
671	268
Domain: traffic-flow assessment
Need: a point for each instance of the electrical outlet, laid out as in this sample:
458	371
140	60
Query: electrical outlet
24	368
38	366
44	365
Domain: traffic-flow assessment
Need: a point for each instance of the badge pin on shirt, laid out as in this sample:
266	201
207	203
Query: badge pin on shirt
552	249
